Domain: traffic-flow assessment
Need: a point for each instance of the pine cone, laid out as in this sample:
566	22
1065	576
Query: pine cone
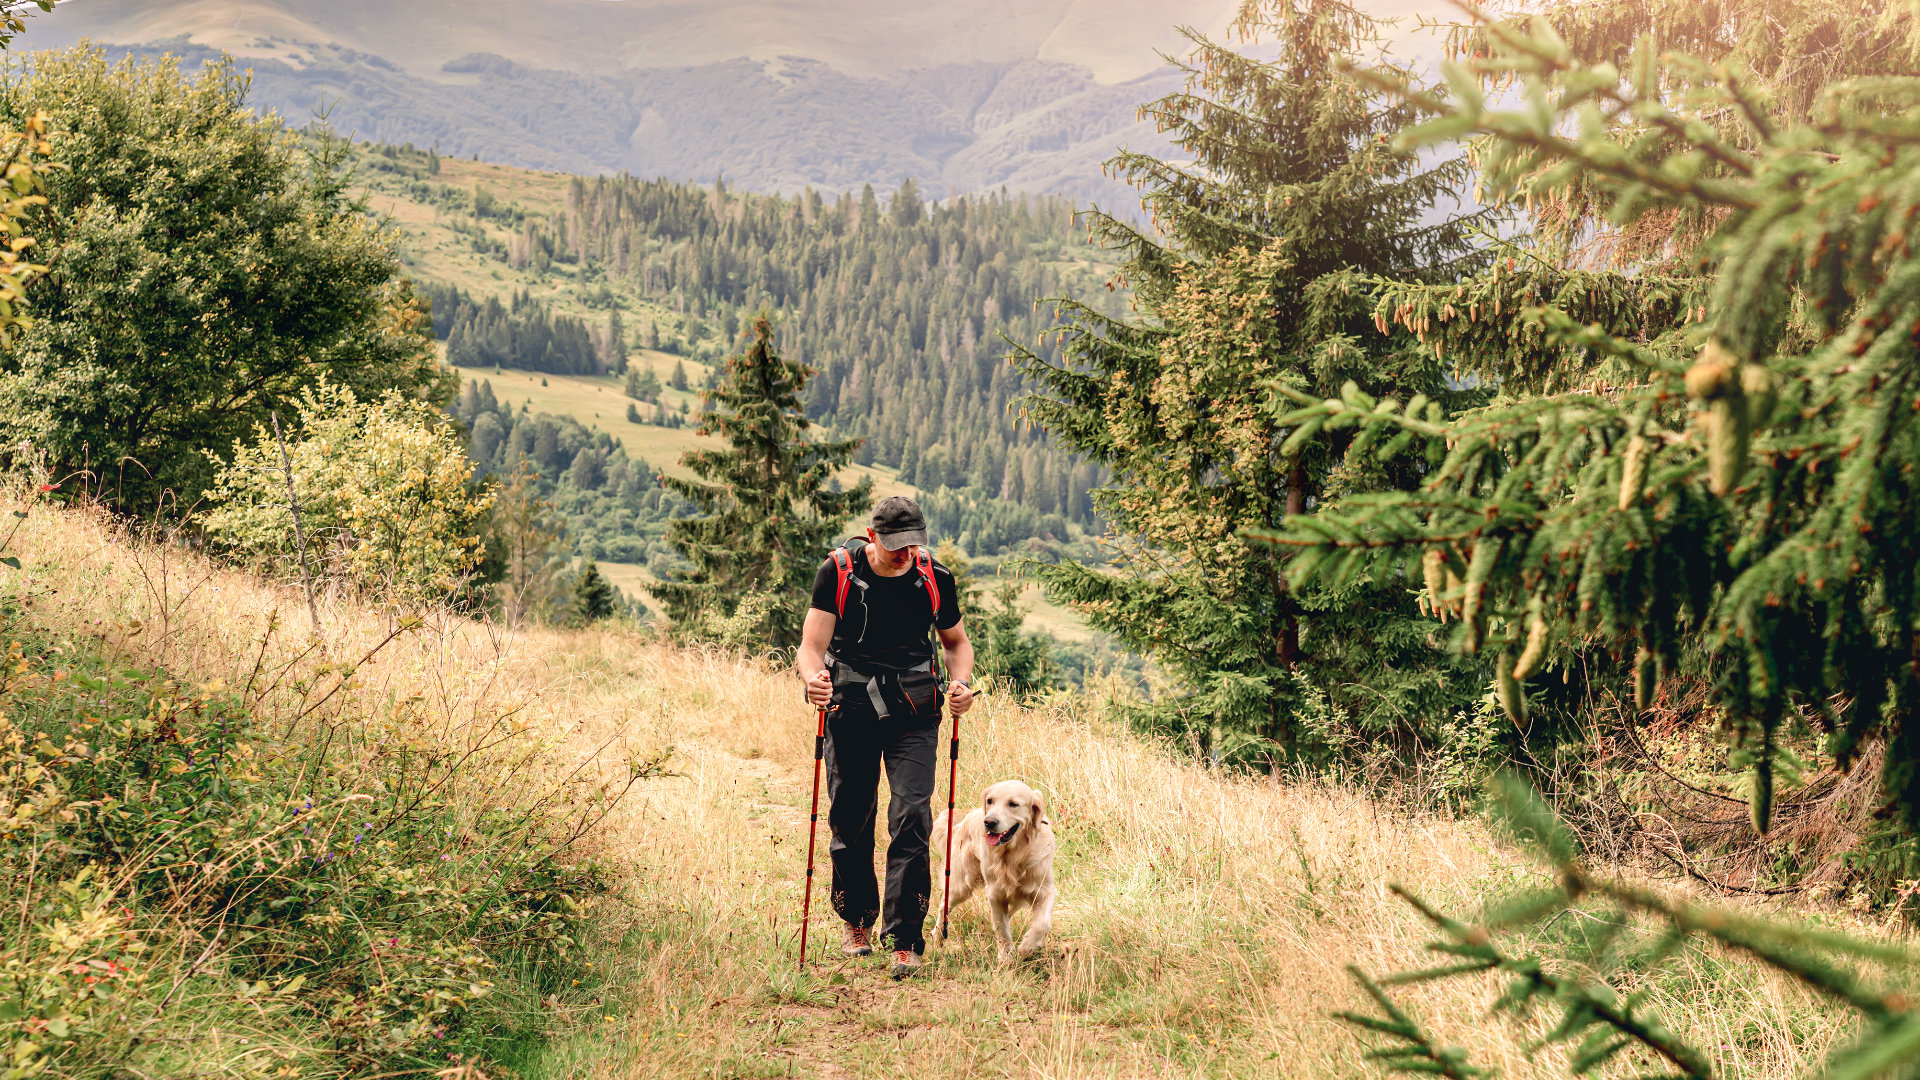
1633	471
1536	649
1512	700
1433	567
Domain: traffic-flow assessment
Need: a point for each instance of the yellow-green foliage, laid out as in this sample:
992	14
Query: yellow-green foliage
384	494
18	200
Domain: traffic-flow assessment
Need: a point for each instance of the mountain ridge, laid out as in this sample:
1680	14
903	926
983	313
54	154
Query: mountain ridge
774	95
778	125
1116	40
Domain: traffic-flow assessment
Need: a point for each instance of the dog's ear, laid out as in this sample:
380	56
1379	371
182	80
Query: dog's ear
1039	809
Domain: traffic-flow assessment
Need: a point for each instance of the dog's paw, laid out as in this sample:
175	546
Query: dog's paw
1004	956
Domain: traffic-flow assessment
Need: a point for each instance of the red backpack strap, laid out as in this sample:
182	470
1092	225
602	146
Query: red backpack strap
843	567
925	562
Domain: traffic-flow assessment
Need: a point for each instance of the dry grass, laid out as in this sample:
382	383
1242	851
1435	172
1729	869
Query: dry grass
1204	924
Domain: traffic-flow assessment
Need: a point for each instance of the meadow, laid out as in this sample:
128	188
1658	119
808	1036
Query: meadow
599	403
1205	922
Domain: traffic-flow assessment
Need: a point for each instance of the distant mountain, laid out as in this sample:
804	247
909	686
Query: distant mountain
965	95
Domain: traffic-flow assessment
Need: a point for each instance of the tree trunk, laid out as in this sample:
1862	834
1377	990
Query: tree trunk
1290	619
1287	637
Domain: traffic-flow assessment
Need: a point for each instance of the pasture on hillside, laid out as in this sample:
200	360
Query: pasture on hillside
1205	917
598	403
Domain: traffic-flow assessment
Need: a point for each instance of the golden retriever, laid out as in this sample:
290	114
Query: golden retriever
1007	846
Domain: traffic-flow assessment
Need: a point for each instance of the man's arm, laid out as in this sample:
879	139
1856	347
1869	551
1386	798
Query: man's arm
811	660
959	656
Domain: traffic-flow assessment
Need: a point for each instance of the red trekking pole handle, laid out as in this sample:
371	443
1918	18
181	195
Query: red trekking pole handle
946	863
813	822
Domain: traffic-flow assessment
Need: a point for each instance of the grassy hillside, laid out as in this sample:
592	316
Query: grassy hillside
1204	923
597	402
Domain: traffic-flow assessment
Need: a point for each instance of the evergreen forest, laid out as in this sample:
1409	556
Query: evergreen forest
901	305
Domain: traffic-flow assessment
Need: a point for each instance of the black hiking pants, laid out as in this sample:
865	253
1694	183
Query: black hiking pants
858	743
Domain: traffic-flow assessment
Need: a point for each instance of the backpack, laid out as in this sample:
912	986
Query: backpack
843	569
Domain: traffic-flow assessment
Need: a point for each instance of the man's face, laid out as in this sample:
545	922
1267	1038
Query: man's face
890	561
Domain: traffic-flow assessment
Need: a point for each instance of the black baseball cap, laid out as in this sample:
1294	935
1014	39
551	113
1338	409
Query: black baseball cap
898	523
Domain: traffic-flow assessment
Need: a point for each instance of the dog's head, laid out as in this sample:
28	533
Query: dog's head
1012	808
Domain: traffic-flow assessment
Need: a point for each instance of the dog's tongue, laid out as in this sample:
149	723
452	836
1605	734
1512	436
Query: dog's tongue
1001	838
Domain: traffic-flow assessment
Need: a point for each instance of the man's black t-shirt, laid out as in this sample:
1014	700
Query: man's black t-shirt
885	625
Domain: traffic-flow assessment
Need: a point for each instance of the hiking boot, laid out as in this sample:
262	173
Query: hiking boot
855	940
906	963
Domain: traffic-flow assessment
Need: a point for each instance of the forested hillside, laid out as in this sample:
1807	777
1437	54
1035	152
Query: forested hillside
898	304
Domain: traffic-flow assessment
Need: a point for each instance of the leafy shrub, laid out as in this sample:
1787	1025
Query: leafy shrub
205	270
383	488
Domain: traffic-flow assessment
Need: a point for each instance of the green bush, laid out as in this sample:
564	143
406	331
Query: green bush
204	270
366	918
385	490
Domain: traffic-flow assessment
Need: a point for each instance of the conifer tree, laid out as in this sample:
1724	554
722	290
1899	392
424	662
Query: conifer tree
907	208
1796	49
1633	933
1733	478
768	514
616	359
1292	196
593	595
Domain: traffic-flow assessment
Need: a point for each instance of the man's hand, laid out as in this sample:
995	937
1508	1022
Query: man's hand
820	689
959	698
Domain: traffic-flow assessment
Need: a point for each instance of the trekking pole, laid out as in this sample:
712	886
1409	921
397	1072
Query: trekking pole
946	863
813	823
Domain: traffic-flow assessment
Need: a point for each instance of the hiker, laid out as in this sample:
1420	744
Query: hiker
866	657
